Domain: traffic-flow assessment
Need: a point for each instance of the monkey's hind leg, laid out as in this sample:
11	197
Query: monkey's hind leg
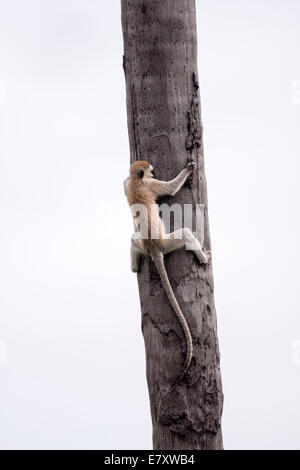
183	238
136	250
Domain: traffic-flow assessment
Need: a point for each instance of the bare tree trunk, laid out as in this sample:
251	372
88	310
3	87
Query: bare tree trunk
164	125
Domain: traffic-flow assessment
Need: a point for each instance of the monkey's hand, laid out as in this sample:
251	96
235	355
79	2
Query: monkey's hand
191	167
207	256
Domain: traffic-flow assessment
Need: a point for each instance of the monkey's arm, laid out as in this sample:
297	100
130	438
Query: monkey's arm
166	188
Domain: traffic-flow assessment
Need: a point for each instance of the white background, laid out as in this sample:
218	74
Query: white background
74	371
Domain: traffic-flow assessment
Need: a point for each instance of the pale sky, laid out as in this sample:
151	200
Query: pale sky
72	360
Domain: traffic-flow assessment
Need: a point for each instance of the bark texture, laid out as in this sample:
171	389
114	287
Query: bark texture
164	125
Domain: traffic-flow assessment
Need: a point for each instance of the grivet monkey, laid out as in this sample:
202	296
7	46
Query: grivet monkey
142	191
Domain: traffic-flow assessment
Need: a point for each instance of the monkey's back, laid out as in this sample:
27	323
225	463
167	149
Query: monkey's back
142	201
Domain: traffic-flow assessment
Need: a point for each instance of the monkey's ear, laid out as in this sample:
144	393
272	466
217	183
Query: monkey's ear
140	174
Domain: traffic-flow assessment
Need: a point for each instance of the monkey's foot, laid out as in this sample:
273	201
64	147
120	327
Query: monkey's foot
203	257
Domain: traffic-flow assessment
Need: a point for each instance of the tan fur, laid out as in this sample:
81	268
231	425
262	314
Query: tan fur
143	191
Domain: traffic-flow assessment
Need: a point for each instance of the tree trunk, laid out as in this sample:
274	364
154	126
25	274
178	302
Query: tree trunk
164	125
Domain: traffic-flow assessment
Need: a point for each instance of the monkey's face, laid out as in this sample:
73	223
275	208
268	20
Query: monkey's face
149	173
141	170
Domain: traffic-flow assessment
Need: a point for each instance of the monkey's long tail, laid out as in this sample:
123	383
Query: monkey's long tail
158	259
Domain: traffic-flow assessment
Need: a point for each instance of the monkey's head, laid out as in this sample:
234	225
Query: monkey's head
141	170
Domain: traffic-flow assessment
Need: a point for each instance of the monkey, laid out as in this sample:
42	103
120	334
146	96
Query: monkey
150	238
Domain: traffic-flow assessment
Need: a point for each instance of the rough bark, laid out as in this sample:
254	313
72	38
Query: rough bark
164	126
